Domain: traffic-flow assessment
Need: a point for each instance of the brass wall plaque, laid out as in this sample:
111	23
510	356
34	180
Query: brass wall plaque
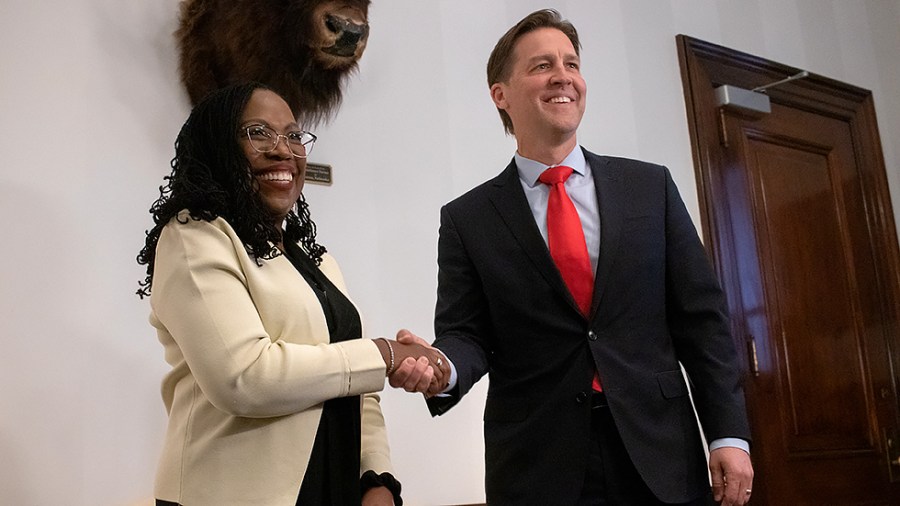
318	173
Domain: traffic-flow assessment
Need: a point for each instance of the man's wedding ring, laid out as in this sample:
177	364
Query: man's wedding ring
440	362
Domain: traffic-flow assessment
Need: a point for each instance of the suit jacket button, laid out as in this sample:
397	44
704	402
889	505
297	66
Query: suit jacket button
581	397
592	336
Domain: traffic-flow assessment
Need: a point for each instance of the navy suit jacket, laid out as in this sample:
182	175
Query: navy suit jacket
504	310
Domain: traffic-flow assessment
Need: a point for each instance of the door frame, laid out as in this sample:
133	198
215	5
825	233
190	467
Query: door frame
705	66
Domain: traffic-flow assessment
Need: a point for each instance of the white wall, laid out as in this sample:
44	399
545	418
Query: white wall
90	105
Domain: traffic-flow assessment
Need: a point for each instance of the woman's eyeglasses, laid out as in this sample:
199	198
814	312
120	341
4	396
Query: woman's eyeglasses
264	140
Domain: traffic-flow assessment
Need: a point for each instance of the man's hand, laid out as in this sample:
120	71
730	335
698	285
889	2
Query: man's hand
732	475
429	373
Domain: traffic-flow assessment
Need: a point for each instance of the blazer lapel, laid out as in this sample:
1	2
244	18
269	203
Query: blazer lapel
510	202
610	187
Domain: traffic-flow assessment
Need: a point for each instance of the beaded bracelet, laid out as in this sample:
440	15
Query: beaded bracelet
391	350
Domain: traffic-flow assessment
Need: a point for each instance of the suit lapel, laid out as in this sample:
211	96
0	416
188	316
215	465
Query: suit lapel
509	200
609	184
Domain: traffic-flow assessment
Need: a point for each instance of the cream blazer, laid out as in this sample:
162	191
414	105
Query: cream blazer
251	367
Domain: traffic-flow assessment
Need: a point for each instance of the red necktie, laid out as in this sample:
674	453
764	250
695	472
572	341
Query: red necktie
565	237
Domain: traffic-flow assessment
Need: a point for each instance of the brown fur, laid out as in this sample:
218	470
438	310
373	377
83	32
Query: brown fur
303	49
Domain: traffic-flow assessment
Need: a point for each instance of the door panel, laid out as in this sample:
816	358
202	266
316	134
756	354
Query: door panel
795	210
799	170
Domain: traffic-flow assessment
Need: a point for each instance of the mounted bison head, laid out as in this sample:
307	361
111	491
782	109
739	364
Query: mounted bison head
304	49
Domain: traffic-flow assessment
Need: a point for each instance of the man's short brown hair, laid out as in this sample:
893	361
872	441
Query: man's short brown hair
500	62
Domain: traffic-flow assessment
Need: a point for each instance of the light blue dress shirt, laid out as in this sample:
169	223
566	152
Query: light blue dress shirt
579	186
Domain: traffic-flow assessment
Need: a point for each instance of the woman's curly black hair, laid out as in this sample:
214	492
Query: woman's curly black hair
211	178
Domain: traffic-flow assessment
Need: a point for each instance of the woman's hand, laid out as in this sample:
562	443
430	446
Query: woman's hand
417	367
378	496
416	375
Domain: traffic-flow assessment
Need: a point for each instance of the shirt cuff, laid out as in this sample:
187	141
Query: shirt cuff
731	442
453	377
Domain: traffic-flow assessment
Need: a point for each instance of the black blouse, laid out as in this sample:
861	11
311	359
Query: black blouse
332	475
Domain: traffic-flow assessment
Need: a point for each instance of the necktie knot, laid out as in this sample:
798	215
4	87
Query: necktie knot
555	175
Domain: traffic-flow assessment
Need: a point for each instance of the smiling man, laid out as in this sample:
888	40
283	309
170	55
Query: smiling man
578	282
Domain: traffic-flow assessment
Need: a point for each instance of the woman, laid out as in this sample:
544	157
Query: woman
271	393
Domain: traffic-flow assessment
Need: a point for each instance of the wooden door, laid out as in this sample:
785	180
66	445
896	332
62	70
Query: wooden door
799	224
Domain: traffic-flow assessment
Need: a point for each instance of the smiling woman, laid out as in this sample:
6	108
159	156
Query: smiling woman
210	176
277	167
269	370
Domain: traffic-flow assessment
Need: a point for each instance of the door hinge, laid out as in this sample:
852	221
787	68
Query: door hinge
752	358
723	129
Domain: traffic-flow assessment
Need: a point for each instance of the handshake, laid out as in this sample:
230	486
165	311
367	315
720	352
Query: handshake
413	364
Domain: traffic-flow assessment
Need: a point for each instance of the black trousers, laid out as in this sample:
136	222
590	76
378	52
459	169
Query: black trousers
612	479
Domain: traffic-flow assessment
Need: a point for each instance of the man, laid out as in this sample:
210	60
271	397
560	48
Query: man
583	340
